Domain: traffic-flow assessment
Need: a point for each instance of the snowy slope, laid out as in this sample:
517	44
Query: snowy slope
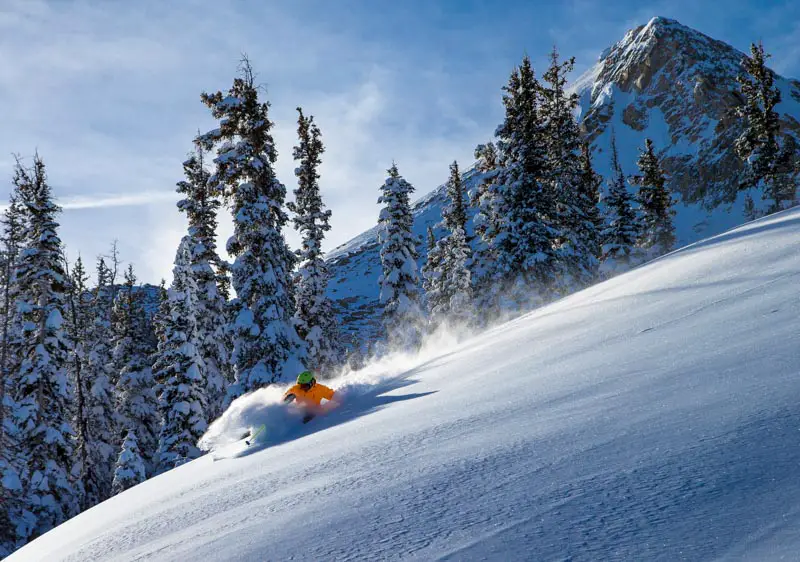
653	416
662	81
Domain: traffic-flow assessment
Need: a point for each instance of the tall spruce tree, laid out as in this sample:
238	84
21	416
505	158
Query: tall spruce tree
591	226
517	208
130	468
16	522
13	236
621	229
179	368
201	204
402	315
450	296
784	181
768	163
487	224
657	236
100	379
575	242
78	324
137	405
314	319
758	143
431	275
39	390
267	348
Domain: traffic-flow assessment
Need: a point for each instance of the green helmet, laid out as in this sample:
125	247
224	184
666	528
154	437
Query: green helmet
305	377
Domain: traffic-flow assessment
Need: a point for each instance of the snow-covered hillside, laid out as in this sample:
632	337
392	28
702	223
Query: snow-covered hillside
662	81
653	416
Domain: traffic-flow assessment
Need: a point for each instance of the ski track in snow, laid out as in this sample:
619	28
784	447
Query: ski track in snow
651	417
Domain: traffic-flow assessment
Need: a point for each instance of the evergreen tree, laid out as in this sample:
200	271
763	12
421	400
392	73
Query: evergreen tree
314	319
432	274
487	223
657	236
201	204
137	406
179	367
576	239
621	226
591	227
39	391
130	468
767	162
758	143
450	296
16	522
266	346
160	320
14	231
100	380
784	180
517	207
399	283
749	211
79	318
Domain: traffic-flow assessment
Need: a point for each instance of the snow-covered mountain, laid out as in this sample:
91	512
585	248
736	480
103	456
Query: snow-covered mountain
664	81
652	416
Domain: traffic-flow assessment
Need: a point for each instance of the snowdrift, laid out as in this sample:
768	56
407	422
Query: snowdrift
653	416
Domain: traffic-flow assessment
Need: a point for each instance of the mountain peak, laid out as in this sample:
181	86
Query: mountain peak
633	62
677	86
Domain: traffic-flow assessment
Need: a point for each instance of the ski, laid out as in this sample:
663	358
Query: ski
255	434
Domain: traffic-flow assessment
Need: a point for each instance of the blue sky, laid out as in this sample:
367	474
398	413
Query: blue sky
108	91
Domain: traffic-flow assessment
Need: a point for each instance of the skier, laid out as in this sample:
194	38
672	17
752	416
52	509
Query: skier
308	394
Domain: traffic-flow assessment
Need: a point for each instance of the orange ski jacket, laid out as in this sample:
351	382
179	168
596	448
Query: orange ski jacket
312	397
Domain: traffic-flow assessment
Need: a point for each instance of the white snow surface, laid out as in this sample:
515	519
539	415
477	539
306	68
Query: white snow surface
654	416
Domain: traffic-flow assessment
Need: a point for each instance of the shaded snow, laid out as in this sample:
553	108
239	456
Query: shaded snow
653	416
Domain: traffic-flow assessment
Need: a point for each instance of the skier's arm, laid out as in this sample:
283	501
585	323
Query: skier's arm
327	393
290	394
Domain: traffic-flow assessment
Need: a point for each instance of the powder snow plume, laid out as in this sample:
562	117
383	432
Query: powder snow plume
283	422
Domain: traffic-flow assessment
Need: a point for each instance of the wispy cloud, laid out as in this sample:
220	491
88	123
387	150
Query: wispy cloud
108	93
116	200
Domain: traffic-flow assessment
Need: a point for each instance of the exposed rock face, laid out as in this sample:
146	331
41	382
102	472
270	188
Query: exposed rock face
678	86
664	81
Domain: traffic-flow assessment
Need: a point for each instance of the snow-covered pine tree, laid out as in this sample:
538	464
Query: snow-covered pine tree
100	379
179	368
130	468
487	224
432	276
621	228
575	242
455	306
784	181
758	143
768	164
78	325
589	183
201	204
137	406
314	319
657	236
160	318
15	521
402	315
14	231
267	348
520	228
39	390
